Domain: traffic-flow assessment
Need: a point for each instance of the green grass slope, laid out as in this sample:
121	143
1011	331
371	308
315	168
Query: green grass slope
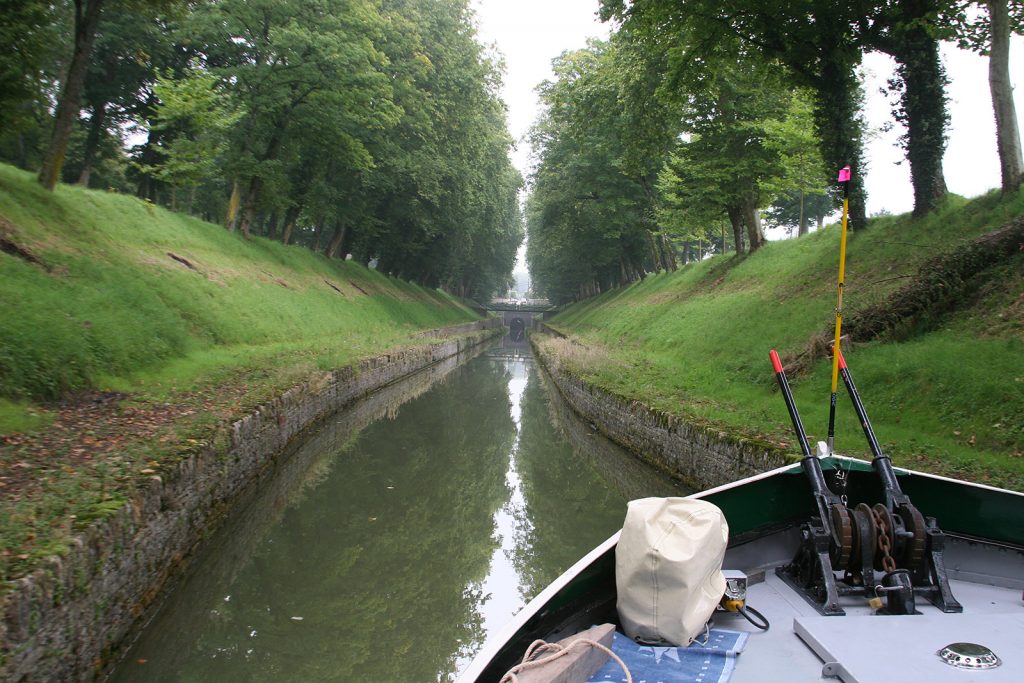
122	288
129	333
945	393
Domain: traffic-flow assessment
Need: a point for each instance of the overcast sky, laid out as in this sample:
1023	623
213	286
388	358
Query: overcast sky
530	33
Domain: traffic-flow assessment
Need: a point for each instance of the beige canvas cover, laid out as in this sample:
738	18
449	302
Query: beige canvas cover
668	568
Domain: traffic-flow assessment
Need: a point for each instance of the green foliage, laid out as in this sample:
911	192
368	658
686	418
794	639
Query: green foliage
795	210
29	32
588	218
654	139
792	137
112	300
965	23
945	397
350	126
729	163
818	45
445	194
198	114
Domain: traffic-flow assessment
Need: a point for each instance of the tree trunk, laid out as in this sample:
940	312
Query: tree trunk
1011	162
339	234
149	157
22	152
249	212
270	231
655	256
670	254
802	230
68	105
92	142
659	249
924	101
233	202
752	219
256	182
736	218
290	216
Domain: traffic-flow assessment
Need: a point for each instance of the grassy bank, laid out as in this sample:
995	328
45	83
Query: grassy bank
945	390
129	332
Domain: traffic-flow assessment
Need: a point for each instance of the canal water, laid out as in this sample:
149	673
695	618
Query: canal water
398	536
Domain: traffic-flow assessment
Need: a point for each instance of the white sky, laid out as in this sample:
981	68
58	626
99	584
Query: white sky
530	33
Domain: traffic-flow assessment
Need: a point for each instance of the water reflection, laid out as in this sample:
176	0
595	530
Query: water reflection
501	600
388	552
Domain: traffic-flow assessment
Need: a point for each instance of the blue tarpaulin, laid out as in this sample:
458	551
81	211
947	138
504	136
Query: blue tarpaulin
711	662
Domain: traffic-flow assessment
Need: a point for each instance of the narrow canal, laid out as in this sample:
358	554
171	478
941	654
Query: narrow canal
396	538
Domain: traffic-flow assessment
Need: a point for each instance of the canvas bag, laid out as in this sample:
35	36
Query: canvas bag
668	568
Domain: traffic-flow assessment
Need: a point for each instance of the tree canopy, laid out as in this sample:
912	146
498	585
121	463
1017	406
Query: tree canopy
370	128
373	128
699	115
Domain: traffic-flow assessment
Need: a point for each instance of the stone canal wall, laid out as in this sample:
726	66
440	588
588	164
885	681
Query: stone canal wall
63	622
700	456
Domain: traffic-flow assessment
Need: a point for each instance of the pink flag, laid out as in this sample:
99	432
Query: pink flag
844	174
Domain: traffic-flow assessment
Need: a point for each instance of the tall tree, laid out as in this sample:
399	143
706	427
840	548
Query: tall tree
588	218
370	127
286	59
723	101
87	19
803	170
692	198
821	42
988	33
193	116
907	31
445	210
1011	161
814	39
133	43
30	30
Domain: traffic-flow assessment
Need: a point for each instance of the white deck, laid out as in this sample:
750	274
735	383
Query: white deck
859	646
862	647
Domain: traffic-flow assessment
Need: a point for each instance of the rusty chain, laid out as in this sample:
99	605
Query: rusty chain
884	543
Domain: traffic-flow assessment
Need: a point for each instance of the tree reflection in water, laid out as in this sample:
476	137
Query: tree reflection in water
401	546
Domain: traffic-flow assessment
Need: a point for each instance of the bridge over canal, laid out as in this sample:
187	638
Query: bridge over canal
518	315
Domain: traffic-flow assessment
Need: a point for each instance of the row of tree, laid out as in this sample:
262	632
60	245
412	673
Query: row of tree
672	137
363	127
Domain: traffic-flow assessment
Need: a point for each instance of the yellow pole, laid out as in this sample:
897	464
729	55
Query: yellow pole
844	178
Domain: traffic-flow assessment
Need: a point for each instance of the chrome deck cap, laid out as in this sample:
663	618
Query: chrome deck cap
969	656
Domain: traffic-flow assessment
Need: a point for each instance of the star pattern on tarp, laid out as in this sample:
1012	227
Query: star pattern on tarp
659	652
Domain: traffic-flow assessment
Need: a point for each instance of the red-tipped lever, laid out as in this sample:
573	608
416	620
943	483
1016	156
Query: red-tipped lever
881	462
787	394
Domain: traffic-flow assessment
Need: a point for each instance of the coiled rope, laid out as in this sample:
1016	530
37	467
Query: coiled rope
532	659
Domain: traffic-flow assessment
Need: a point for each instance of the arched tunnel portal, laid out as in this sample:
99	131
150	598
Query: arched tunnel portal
518	322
